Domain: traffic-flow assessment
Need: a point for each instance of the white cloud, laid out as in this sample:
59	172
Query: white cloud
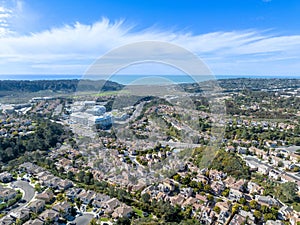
5	14
70	49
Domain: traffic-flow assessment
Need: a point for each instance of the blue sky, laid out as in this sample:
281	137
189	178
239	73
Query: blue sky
260	37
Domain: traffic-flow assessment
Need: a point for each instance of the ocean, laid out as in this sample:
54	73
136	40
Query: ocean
139	79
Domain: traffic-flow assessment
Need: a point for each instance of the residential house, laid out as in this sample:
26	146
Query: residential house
34	222
202	199
286	178
44	176
47	196
189	202
274	174
110	205
237	220
235	195
167	186
196	208
65	184
7	194
229	181
238	185
99	199
294	157
263	169
248	215
177	200
253	187
259	152
253	165
216	175
160	196
63	208
230	148
24	167
294	220
48	180
223	217
7	220
266	200
204	171
138	187
63	162
224	206
217	187
54	183
285	212
242	150
122	211
201	178
73	193
37	206
274	222
22	214
207	216
86	196
49	215
186	192
5	177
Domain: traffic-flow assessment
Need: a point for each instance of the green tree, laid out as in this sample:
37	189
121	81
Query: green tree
235	208
60	197
253	204
186	180
177	177
217	209
225	193
269	216
93	222
257	214
242	201
207	188
145	198
280	164
70	175
90	177
78	202
288	192
246	208
18	222
80	176
123	221
210	197
38	187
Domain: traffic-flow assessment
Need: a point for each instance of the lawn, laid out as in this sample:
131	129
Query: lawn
138	212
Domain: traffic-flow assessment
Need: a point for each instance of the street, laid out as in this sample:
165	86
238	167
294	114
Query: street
28	196
84	219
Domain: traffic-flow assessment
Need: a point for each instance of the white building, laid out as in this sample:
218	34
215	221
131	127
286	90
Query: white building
89	103
97	110
81	118
105	120
95	116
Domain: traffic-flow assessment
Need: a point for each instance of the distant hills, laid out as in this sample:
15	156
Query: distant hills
239	84
11	87
17	87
